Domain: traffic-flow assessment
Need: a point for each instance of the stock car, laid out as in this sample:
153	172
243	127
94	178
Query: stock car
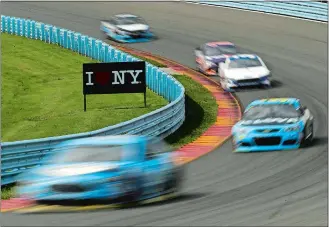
111	169
273	124
243	70
210	54
127	28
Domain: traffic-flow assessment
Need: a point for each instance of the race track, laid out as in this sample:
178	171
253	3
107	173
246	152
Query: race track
222	188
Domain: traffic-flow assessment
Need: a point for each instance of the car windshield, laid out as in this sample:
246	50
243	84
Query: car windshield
271	111
219	50
244	63
89	154
130	20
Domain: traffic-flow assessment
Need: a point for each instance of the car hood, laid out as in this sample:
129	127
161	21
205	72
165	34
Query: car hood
134	27
68	170
268	122
246	73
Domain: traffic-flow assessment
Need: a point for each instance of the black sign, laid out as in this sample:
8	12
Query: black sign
114	78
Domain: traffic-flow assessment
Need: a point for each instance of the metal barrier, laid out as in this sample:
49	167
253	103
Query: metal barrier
16	157
302	9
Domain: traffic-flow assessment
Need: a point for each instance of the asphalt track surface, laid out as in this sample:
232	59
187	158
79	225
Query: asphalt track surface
222	188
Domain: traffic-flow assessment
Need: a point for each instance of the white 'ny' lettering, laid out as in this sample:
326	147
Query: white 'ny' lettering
119	76
135	75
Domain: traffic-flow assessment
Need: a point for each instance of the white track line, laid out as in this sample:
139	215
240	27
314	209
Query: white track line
297	18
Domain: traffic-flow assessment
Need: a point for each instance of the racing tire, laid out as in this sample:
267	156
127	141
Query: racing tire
174	184
266	87
134	194
307	141
198	68
233	146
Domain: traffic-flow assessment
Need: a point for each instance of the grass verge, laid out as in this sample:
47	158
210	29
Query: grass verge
42	90
201	112
7	192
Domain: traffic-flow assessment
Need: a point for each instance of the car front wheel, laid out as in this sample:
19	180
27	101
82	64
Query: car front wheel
307	141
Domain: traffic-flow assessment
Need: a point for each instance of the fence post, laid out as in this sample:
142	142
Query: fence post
58	36
100	50
106	53
43	32
38	31
112	55
18	27
47	33
3	23
65	39
33	30
70	40
93	48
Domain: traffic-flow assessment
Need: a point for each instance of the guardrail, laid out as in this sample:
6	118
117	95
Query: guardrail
302	9
17	157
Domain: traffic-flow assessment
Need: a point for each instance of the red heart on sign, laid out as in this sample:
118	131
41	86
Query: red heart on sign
102	78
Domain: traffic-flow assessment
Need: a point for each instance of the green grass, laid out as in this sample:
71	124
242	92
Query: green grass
42	90
7	192
201	112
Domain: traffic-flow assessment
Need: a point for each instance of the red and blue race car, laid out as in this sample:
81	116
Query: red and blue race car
209	55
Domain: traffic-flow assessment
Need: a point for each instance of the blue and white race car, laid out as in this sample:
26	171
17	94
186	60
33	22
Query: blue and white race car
273	124
127	28
243	70
115	169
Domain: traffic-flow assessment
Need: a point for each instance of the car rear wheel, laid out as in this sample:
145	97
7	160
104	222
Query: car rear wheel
174	184
198	67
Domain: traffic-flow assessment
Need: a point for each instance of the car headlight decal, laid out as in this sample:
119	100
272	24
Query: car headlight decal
292	128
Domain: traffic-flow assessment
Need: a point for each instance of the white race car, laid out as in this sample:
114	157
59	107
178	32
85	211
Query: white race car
127	28
242	70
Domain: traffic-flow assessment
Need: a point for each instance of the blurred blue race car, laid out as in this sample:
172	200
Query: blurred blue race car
115	169
127	28
273	124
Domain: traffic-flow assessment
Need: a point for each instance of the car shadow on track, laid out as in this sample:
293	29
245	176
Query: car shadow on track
179	198
319	141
